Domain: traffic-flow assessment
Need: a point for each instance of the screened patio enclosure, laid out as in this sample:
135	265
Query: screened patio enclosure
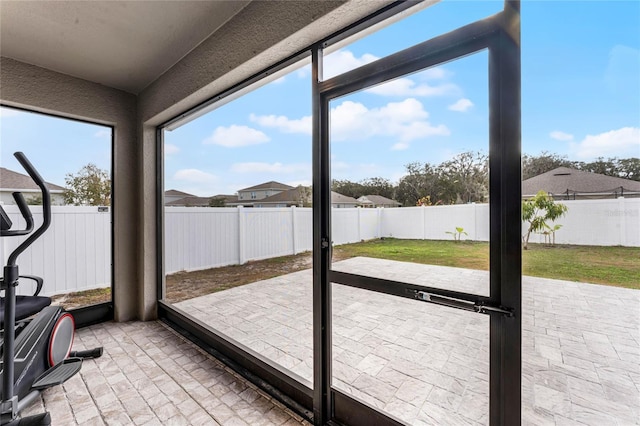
149	70
292	332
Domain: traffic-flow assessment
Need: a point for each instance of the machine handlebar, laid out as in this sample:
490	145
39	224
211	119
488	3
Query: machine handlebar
26	213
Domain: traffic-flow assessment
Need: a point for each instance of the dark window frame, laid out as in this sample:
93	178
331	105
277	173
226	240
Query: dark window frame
85	316
500	34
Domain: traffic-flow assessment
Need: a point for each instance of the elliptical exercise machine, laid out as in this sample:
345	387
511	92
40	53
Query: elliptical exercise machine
36	350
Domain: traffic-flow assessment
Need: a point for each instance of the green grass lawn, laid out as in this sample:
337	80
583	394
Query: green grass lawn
616	266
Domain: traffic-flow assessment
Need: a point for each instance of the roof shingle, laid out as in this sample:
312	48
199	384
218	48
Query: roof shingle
563	179
18	181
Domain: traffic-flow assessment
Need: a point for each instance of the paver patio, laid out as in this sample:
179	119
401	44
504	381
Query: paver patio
149	375
427	364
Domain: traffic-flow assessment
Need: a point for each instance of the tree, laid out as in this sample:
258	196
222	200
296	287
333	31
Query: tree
303	196
537	211
91	186
629	168
369	186
377	186
348	188
217	202
465	178
608	167
34	200
536	165
420	181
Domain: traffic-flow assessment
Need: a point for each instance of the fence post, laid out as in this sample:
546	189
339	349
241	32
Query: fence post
379	222
293	228
241	236
475	222
359	223
424	222
623	221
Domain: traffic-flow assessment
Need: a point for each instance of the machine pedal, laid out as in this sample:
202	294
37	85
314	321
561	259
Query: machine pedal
58	374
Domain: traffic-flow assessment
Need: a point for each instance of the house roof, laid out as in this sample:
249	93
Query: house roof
190	202
10	180
377	200
176	193
337	198
291	196
561	179
195	201
227	198
268	185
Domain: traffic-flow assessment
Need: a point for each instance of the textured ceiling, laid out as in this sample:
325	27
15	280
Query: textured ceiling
120	44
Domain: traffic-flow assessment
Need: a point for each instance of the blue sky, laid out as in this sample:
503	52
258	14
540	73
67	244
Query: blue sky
580	98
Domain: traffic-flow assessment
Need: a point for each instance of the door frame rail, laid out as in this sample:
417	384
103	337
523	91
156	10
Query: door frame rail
500	36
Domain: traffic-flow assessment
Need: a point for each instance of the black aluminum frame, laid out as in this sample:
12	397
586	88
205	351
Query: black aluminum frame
500	35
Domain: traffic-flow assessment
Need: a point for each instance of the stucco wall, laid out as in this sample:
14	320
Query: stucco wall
38	89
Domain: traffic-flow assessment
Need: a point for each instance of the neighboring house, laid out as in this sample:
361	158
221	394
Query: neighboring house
174	195
248	196
11	182
191	201
339	201
565	183
377	201
300	196
194	201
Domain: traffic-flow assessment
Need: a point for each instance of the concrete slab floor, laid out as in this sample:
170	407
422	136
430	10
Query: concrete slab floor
429	365
150	375
424	364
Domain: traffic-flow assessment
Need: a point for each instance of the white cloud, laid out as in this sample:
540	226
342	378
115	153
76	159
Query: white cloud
405	121
170	149
560	136
257	167
619	143
339	62
195	176
236	136
284	124
407	87
462	105
344	60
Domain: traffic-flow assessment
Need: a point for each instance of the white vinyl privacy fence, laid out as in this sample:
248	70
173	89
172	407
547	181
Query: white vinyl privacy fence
200	238
74	254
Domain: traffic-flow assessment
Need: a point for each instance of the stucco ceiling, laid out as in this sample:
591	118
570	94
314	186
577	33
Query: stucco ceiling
120	44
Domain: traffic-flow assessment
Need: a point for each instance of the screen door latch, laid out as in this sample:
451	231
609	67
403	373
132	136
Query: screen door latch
452	302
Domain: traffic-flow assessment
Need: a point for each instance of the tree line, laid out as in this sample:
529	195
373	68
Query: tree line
462	179
465	178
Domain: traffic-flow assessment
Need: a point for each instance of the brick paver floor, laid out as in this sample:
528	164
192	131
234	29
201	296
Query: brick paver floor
149	375
427	364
